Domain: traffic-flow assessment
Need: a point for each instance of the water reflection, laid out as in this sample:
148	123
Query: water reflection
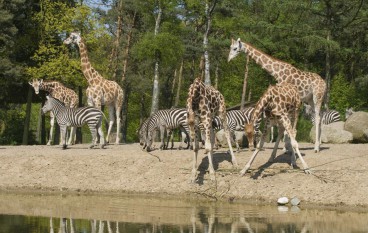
72	214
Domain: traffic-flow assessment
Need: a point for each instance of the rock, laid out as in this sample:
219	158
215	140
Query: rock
333	133
282	200
357	124
294	201
220	136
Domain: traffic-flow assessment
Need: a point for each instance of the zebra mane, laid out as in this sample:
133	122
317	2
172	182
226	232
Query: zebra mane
57	100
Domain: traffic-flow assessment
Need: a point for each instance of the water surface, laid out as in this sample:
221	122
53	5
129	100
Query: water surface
137	213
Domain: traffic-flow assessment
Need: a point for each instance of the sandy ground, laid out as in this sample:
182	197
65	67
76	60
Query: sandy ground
339	175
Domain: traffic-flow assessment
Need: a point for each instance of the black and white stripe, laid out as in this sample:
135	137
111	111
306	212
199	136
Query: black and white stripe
236	119
169	120
328	117
76	117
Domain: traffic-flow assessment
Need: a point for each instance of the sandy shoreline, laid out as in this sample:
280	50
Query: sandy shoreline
338	179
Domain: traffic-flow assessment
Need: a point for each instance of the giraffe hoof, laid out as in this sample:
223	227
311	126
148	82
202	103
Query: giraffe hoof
307	171
64	146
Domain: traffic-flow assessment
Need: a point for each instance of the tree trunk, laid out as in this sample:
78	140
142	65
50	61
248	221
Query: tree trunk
245	81
173	87
180	78
115	48
28	116
124	111
78	134
207	78
328	71
216	76
124	114
156	90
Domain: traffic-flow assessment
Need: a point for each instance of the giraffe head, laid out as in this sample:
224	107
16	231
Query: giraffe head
74	38
36	85
235	48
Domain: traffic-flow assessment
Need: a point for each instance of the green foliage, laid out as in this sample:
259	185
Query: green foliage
11	126
343	95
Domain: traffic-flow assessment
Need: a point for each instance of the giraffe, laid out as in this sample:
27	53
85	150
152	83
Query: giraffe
62	93
100	91
205	102
311	87
281	104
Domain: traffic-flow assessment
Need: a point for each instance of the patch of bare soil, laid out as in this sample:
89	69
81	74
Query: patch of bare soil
339	173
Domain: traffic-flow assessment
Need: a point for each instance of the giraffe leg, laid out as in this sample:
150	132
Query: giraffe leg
210	157
118	124
111	122
258	148
222	116
52	123
276	146
194	142
317	109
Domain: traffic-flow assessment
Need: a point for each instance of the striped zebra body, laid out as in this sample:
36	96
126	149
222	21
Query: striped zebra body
328	117
76	117
236	119
169	120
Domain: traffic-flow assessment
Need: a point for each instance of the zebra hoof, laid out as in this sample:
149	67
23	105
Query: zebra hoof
64	146
91	146
102	146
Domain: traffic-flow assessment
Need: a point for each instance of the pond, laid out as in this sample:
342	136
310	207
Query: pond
147	214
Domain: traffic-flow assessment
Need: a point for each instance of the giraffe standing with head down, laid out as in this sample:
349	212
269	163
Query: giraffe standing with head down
100	91
280	104
205	102
62	93
311	87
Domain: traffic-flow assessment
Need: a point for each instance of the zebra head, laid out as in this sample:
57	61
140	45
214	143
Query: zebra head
36	84
74	38
47	107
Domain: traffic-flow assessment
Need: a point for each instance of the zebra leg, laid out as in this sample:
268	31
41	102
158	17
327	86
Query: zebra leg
101	133
222	115
71	140
111	122
162	137
52	123
93	129
63	131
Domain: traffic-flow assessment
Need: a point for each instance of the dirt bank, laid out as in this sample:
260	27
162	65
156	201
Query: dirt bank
339	173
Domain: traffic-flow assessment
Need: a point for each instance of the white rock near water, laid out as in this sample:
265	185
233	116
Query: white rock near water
282	200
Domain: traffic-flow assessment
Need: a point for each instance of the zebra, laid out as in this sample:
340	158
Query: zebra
168	119
76	117
236	119
328	116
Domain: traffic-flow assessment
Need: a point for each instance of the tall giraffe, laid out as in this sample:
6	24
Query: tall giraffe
311	87
62	93
100	90
205	102
281	105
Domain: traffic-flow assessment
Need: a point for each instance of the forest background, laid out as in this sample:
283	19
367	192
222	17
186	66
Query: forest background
155	48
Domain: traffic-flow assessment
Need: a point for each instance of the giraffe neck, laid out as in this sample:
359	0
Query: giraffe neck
273	66
48	86
258	110
88	71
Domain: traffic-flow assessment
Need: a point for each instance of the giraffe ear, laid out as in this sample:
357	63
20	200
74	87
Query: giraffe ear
240	43
30	83
41	81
